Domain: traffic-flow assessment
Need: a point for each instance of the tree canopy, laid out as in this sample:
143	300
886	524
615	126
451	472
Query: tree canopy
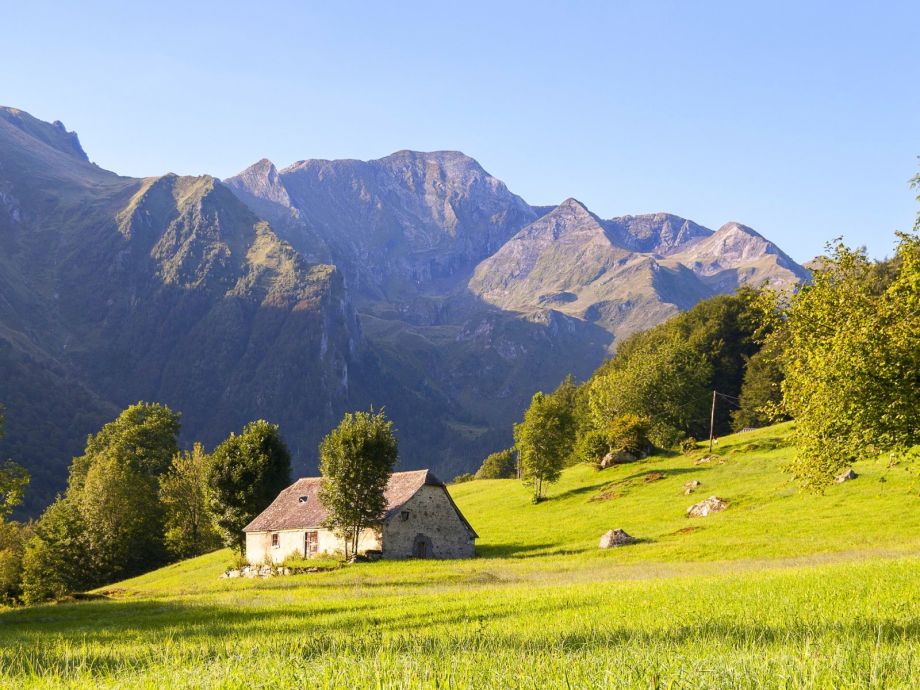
245	474
356	460
852	361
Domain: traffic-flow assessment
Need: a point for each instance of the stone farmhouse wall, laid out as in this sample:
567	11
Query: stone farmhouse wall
292	543
428	515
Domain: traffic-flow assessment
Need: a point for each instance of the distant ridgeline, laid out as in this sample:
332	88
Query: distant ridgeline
417	282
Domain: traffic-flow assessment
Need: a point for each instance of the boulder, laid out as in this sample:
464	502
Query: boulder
690	486
618	458
845	477
713	504
616	537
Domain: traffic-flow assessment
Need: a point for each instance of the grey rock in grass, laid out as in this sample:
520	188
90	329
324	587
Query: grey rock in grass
713	504
845	477
618	458
690	486
616	537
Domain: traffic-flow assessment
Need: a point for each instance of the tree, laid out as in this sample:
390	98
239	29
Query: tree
665	380
500	465
114	488
109	522
55	562
356	460
761	397
13	538
629	433
851	361
183	492
13	481
122	517
244	476
146	432
544	439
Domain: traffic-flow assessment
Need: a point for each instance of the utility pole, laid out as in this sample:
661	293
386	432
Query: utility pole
712	421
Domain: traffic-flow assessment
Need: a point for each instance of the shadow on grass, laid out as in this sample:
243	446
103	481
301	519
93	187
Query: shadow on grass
512	550
87	637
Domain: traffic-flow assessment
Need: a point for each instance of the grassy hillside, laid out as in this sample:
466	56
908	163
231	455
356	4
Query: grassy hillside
780	590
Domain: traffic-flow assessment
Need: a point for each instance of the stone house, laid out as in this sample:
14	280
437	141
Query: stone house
421	521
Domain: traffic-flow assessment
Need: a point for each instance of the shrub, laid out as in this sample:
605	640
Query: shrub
592	446
500	465
629	432
463	478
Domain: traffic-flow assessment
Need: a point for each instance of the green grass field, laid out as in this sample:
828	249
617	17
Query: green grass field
782	590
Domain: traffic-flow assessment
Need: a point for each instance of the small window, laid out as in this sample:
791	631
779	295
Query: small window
303	499
404	515
275	541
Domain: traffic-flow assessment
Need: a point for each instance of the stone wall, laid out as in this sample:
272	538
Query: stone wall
429	517
291	543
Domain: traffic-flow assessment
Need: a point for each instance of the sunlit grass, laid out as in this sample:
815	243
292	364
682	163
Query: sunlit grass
781	590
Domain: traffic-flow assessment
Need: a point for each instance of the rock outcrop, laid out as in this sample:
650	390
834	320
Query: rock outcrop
713	504
614	538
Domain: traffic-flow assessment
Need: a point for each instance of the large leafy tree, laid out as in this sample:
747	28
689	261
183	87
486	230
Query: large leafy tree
356	460
545	439
115	487
245	474
189	525
56	558
666	381
852	361
109	523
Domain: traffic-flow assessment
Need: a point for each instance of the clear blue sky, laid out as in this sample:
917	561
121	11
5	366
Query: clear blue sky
801	119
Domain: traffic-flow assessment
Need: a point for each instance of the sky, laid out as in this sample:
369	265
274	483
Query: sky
799	119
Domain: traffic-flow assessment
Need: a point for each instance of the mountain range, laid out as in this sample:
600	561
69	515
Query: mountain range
417	282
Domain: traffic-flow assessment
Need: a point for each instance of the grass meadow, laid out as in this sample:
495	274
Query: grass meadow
781	590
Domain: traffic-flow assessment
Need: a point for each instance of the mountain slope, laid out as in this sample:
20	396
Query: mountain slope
165	289
395	225
417	282
625	274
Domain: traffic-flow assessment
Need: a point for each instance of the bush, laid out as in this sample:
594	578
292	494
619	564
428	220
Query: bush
463	478
237	561
500	465
297	564
592	446
688	445
629	432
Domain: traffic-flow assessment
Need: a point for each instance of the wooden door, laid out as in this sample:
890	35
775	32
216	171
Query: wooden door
310	543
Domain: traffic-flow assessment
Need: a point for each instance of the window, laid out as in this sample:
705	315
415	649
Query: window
275	541
404	515
303	499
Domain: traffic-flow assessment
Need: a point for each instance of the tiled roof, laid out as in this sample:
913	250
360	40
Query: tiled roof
299	507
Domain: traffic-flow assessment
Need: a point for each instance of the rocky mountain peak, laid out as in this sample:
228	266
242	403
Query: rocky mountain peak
261	180
54	134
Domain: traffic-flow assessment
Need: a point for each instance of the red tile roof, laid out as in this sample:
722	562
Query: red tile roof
299	507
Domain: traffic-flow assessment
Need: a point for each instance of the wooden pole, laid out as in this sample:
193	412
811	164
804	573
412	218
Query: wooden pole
712	421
